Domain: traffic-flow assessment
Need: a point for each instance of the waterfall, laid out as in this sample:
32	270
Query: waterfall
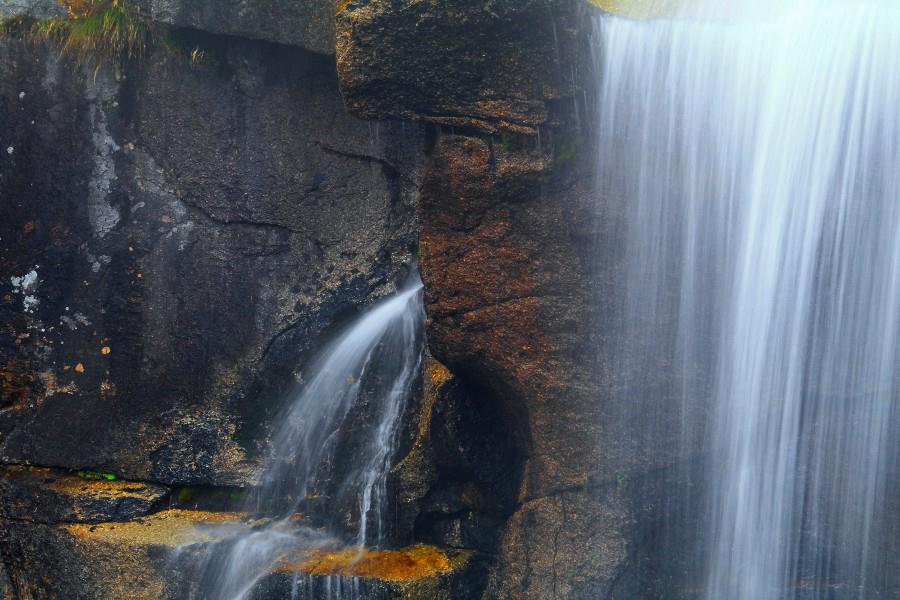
756	156
376	361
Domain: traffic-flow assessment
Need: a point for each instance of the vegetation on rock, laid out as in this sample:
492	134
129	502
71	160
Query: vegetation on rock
636	9
95	30
86	474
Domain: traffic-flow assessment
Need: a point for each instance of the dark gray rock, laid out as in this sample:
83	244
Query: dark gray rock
175	240
466	63
49	496
40	9
308	24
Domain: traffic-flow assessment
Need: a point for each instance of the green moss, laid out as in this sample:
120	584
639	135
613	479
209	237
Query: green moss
186	495
99	30
86	474
94	32
208	497
509	142
566	149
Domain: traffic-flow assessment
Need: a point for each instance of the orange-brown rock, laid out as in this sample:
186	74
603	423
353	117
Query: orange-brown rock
506	297
393	565
505	264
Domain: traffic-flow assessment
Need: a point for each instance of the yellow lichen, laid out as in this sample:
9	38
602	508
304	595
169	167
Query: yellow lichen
391	565
340	6
79	368
53	386
636	9
107	389
167	528
105	350
436	376
97	488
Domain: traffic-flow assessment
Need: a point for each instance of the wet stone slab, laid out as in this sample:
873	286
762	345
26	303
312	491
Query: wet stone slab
161	556
51	496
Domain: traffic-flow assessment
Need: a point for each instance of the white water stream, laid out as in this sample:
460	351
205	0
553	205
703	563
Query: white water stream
380	352
757	146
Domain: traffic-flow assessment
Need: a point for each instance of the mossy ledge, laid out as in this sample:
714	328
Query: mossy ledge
95	30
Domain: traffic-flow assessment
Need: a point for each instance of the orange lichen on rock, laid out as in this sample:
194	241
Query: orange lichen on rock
53	386
410	563
166	528
437	374
97	488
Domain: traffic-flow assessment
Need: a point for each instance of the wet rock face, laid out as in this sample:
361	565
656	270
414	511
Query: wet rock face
178	239
174	241
506	297
504	236
161	556
457	484
43	495
466	63
308	24
36	8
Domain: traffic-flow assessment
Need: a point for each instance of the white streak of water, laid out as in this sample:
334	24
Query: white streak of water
388	338
760	160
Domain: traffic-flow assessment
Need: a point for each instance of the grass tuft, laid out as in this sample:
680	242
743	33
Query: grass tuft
98	30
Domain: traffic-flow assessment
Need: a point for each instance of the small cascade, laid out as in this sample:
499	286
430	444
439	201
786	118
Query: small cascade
755	155
376	362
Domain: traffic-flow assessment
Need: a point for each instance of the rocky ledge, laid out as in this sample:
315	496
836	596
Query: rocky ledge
161	556
51	496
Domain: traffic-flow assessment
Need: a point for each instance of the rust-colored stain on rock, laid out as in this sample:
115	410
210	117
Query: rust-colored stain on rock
170	528
414	562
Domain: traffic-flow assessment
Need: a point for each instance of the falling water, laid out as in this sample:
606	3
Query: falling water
758	154
376	357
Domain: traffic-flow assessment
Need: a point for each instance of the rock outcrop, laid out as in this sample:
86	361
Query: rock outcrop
486	65
509	240
308	24
179	236
175	239
40	495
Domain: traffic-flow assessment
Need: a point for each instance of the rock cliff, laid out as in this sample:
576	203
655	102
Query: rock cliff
180	235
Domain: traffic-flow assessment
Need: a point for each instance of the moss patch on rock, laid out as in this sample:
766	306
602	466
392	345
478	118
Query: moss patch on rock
97	30
635	9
